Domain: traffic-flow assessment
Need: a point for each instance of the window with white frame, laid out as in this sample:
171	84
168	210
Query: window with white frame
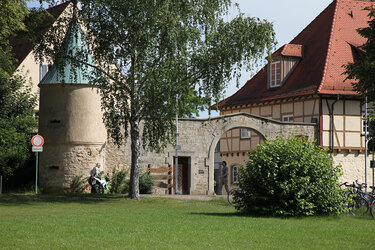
364	122
287	118
234	174
275	74
245	133
43	71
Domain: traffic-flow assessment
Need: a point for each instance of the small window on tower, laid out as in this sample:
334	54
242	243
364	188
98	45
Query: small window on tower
275	74
43	71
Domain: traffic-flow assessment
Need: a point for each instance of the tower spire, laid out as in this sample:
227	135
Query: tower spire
68	68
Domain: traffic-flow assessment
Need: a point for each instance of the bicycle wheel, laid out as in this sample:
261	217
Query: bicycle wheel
231	194
101	189
359	206
372	208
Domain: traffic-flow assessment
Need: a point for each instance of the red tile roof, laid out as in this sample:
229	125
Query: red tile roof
21	46
294	50
326	44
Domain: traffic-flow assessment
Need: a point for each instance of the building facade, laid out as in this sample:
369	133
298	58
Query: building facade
301	91
304	82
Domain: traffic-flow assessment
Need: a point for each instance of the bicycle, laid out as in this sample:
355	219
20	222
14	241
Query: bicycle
358	203
372	201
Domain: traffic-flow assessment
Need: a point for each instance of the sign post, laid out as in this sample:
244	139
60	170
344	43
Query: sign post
37	141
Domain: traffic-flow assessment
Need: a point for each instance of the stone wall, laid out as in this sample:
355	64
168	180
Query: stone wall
60	163
198	139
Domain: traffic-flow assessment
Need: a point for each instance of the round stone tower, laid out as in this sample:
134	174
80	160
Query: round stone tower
70	118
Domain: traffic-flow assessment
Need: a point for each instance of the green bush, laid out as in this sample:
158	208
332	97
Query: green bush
145	183
78	184
119	185
289	177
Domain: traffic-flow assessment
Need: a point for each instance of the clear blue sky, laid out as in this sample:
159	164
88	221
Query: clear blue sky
289	17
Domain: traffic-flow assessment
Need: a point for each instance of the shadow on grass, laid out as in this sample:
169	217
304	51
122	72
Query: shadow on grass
326	217
226	214
21	199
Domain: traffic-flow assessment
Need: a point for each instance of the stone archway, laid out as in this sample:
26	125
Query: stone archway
233	148
202	135
198	138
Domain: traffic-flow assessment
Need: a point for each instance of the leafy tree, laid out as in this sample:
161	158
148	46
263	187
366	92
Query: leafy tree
17	123
362	70
17	120
289	177
12	15
148	52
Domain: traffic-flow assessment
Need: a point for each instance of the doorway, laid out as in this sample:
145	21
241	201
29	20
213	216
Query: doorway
183	182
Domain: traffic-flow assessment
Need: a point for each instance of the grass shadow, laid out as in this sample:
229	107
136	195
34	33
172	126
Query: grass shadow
29	199
243	215
224	214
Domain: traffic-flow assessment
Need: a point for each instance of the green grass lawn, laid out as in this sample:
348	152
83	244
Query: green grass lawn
110	222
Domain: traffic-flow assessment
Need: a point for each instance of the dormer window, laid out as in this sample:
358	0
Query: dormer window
282	63
275	74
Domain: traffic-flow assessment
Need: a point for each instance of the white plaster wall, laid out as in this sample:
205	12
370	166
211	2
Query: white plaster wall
30	69
78	108
353	166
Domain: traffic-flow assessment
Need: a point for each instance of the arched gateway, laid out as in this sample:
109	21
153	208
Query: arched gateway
199	137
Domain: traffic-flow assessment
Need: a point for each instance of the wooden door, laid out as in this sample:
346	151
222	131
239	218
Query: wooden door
183	184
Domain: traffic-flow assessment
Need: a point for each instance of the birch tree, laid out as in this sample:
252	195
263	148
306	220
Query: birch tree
163	49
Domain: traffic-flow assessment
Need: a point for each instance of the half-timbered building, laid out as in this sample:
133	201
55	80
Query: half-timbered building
304	82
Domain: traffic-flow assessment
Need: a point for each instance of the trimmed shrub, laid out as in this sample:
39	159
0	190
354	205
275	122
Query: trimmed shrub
145	183
289	177
78	184
119	185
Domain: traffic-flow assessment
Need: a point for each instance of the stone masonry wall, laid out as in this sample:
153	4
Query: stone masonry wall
198	138
60	163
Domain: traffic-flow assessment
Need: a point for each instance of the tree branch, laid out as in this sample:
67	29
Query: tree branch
98	69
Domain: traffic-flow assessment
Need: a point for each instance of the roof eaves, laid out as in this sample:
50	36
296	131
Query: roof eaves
22	48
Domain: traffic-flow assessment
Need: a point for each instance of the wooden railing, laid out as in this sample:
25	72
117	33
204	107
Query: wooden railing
162	177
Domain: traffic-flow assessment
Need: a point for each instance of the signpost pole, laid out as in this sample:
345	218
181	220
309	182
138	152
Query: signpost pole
373	167
176	159
36	174
1	184
37	141
366	143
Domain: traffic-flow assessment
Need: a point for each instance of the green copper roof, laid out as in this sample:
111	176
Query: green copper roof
73	46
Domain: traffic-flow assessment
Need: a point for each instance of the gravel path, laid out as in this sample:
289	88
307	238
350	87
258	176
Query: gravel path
187	197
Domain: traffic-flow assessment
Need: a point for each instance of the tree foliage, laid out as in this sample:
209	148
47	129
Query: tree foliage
289	177
17	105
362	70
119	184
12	15
158	57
